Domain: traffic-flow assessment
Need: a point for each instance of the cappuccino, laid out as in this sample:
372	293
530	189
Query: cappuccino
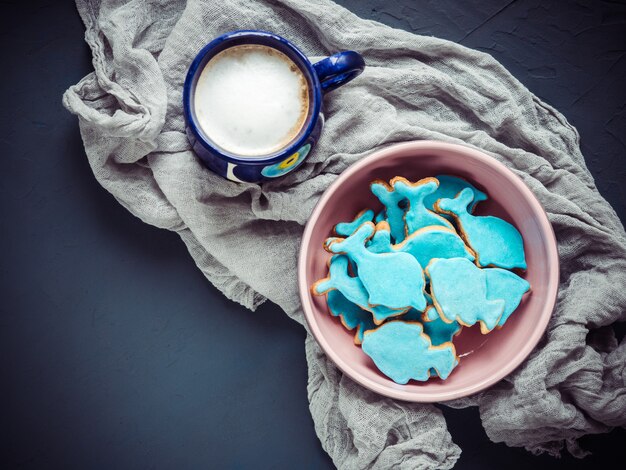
251	100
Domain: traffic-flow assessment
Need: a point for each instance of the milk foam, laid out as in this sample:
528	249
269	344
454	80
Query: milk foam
251	100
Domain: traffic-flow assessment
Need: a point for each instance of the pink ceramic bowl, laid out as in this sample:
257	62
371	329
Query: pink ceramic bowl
485	359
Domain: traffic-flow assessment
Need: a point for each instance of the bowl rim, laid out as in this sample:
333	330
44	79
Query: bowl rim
522	353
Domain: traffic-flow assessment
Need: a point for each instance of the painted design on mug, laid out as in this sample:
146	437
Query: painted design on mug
230	173
288	164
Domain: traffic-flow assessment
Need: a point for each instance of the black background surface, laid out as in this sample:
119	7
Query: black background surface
117	353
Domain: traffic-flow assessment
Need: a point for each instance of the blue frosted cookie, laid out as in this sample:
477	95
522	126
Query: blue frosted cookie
438	330
508	286
345	229
434	242
494	241
351	315
352	289
380	217
393	212
425	244
459	292
449	187
381	240
403	352
417	215
435	328
393	279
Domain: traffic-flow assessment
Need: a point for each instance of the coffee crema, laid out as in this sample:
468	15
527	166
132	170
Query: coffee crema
251	100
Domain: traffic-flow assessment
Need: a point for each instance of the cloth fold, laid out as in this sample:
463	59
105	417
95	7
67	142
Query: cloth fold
245	237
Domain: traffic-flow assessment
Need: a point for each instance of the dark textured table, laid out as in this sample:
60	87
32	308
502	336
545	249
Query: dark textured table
117	353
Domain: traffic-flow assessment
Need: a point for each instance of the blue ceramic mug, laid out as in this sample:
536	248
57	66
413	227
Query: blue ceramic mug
322	77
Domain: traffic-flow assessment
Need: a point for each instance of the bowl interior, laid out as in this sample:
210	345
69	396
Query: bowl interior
484	358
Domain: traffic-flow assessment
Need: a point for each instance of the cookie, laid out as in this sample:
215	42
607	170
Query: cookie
436	329
393	279
380	217
330	240
393	212
351	315
362	328
434	242
417	215
425	244
459	291
352	267
345	229
494	241
381	240
352	289
403	352
508	286
449	187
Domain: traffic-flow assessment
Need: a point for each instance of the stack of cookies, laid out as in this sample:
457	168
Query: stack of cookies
408	278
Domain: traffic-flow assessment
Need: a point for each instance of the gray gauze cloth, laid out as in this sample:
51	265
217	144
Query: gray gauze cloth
245	237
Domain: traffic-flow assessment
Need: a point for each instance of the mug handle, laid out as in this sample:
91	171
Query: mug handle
339	69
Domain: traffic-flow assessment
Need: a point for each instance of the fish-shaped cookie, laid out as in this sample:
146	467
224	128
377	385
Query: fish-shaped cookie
459	291
435	328
494	241
425	244
449	187
351	315
345	229
393	279
433	242
508	286
352	289
381	216
393	212
403	352
417	215
381	240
